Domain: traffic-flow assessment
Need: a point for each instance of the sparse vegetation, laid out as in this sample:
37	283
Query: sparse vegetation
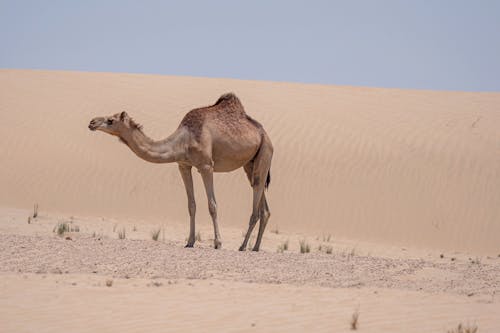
63	227
122	234
304	247
464	329
155	234
354	320
35	211
283	247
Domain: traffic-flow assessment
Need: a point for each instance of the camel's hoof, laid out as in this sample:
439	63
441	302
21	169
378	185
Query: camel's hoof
242	248
189	245
255	249
217	245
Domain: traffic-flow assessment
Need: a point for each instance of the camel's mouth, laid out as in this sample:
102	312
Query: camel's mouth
93	125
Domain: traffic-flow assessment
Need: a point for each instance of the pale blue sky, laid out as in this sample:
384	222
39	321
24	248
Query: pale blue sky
446	45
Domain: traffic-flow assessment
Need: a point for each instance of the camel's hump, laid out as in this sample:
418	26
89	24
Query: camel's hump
228	98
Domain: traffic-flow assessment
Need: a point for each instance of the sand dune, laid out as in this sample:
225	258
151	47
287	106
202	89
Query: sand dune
402	167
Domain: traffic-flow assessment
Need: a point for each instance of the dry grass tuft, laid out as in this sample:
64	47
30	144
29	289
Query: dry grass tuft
464	329
354	320
155	234
122	234
35	211
304	247
283	247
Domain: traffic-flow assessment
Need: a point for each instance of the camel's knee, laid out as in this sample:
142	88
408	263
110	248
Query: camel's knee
212	208
265	215
253	219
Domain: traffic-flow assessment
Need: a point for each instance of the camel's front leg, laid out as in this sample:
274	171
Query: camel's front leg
208	181
187	178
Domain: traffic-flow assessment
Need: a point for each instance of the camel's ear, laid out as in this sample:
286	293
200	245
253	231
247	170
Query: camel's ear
123	116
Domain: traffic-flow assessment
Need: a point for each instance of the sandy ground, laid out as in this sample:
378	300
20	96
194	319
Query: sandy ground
396	193
51	282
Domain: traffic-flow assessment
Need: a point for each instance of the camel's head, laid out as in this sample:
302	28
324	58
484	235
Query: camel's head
114	125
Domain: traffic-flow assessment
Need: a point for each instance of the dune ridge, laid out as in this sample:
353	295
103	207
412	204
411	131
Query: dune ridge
416	168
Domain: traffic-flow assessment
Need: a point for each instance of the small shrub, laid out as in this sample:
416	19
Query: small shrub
63	227
122	234
155	234
304	247
109	283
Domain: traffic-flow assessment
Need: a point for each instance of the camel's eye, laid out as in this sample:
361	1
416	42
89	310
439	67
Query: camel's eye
110	121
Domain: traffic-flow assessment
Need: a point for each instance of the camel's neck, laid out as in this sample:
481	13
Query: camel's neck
163	151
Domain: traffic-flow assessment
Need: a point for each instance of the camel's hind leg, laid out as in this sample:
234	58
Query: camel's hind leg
265	213
257	172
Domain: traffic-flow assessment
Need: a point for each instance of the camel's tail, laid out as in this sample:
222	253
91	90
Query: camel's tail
268	179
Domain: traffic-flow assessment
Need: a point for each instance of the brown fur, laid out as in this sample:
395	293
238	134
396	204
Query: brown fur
227	110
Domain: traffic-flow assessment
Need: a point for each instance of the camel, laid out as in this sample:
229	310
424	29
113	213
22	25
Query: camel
217	138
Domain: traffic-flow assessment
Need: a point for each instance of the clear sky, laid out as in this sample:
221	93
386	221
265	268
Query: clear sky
446	45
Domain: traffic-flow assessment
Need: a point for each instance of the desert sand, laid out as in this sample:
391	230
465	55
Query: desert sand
395	191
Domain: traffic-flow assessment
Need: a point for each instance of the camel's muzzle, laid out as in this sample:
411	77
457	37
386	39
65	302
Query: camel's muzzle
92	125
